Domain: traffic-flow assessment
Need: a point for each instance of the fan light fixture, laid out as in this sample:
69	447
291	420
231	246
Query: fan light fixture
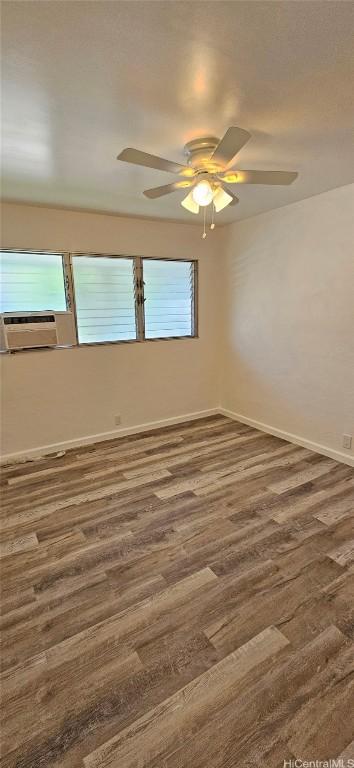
203	193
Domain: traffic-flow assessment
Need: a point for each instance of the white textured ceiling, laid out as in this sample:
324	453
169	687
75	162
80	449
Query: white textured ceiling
82	80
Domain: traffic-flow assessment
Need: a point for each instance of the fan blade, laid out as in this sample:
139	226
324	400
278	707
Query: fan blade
230	145
190	204
137	157
167	188
160	191
260	177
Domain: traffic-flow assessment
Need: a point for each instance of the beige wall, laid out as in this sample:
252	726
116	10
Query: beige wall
52	396
288	356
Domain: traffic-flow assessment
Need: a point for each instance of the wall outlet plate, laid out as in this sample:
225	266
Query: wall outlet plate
347	441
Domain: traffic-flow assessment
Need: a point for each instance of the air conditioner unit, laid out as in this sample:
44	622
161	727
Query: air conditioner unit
29	330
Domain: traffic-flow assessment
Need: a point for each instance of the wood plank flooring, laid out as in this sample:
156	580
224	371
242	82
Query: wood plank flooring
175	599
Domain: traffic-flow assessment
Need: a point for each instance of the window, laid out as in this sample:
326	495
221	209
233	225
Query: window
124	299
32	282
104	298
169	298
112	298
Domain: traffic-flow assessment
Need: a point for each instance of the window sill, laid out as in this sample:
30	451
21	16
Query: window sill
97	344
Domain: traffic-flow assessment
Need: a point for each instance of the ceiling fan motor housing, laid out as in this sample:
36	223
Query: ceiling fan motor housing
199	152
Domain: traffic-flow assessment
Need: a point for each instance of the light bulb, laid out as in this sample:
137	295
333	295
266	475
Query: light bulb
202	193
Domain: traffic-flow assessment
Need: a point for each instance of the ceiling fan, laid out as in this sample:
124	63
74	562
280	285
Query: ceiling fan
206	173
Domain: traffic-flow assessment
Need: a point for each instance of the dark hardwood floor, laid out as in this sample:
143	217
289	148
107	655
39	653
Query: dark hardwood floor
178	599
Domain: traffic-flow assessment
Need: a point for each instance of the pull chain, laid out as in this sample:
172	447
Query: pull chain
212	225
204	218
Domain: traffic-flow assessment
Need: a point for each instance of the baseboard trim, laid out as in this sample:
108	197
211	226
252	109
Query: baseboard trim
45	450
297	439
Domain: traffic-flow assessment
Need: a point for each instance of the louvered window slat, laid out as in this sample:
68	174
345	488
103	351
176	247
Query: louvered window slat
168	292
104	298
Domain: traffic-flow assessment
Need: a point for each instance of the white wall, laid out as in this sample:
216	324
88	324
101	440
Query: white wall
51	397
276	326
288	355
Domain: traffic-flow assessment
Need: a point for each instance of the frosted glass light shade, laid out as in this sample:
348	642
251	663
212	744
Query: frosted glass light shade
202	193
221	200
189	203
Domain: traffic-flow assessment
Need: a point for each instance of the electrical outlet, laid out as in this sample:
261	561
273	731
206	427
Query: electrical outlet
347	441
117	420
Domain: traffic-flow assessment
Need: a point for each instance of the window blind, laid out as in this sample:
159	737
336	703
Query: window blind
32	282
168	292
104	298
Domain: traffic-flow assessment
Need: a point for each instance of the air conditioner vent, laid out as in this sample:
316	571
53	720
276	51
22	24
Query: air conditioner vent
29	330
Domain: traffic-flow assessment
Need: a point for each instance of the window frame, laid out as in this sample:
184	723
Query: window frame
65	262
194	302
138	268
72	280
69	287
